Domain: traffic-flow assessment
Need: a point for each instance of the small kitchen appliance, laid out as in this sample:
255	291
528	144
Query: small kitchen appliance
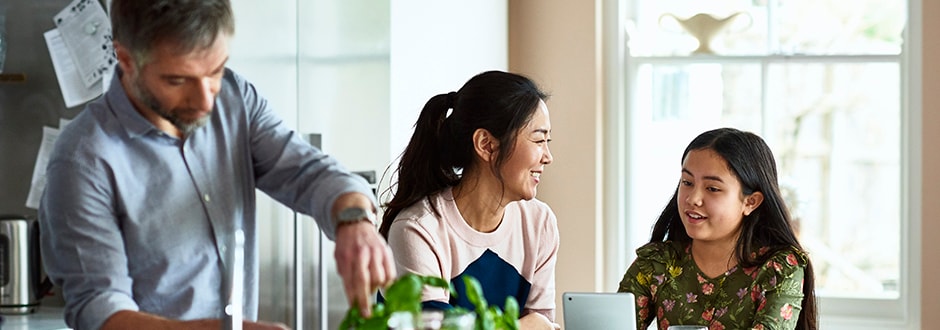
21	284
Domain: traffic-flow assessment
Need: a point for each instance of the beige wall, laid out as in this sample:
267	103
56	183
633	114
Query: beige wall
930	266
564	58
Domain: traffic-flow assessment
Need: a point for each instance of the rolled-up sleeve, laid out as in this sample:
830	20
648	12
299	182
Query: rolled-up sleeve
82	247
293	172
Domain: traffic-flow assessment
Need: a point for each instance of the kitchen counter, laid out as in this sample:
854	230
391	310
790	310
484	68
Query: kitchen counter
45	318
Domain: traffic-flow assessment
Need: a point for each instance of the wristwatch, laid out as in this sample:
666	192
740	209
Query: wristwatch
353	215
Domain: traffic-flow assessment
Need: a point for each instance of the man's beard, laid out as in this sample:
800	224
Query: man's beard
149	100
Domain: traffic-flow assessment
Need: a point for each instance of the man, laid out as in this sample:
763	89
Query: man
147	186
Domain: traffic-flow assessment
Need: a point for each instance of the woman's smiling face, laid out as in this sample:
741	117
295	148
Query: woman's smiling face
523	169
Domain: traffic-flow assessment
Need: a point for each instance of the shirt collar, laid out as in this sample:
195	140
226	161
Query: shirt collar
133	122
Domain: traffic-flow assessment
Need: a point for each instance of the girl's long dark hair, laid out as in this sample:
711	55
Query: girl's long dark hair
751	160
442	144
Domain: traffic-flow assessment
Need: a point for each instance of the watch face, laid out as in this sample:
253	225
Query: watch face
354	214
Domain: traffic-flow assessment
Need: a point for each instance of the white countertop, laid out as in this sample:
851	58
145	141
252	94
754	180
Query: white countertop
45	318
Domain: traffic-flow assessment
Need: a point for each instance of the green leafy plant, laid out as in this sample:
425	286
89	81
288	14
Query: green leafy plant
404	295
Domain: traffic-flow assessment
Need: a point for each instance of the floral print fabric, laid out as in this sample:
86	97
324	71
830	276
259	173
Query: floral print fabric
669	287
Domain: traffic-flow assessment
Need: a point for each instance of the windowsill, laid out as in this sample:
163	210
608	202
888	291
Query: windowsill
772	58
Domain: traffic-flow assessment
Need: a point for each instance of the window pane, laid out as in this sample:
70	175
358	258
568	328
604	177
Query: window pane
836	136
835	131
839	27
758	27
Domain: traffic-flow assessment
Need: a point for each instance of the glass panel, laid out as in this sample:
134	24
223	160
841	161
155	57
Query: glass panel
835	131
344	78
839	27
756	27
836	135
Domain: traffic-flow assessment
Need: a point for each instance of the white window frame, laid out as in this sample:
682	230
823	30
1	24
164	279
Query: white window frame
835	313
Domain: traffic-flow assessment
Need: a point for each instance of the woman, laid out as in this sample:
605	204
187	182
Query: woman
465	201
723	253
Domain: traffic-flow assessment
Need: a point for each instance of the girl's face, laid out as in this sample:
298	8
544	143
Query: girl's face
522	171
711	203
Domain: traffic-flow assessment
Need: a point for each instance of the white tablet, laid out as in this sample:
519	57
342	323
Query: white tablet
599	310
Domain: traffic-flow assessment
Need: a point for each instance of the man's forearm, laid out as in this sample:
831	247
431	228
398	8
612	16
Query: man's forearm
142	321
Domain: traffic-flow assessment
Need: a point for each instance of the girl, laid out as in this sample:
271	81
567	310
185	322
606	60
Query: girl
723	253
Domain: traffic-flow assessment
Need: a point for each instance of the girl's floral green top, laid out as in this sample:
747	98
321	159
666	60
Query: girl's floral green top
670	288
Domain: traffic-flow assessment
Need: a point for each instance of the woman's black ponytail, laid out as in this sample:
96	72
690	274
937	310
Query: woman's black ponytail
423	169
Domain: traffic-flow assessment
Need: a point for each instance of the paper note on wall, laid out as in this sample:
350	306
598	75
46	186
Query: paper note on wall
74	91
38	183
86	30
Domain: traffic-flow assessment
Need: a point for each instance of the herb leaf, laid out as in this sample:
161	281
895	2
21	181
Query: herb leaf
404	295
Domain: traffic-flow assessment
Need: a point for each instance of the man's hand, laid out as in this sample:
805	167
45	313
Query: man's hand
364	261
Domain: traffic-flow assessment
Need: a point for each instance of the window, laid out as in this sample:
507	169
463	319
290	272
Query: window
822	81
